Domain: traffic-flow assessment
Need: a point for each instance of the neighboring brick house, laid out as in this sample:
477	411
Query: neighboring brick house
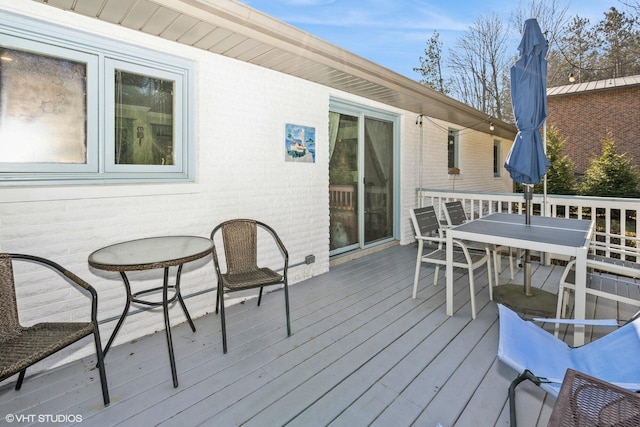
586	113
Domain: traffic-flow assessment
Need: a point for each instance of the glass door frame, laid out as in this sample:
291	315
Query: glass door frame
362	112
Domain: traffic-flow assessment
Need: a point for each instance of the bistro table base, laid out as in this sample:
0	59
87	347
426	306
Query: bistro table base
541	303
166	300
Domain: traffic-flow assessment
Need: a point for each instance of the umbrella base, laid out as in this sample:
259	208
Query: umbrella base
541	303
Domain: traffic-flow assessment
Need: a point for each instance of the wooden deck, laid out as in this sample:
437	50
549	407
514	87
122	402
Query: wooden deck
363	352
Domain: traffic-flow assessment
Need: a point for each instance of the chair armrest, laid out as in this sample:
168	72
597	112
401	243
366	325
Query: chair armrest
442	241
73	279
607	265
77	280
631	248
56	267
283	249
461	245
431	239
615	266
281	246
615	248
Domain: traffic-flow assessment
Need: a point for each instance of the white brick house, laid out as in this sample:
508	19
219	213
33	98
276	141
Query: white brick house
239	115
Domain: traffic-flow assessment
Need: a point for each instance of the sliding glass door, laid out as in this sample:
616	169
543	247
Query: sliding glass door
343	183
378	180
361	178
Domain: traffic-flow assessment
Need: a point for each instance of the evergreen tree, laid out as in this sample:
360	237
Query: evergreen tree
560	175
620	44
431	65
577	54
611	174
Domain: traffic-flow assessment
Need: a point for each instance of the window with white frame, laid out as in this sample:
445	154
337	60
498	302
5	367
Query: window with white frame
452	151
78	108
497	156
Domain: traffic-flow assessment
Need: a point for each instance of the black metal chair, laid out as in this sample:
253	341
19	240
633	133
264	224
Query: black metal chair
240	242
23	346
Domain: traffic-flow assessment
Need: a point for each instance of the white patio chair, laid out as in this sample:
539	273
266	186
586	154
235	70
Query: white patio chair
540	357
428	230
455	214
622	271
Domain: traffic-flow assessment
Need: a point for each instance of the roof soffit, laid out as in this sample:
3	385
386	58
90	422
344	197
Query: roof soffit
233	29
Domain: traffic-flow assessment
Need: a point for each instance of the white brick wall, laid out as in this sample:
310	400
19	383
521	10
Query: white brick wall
476	163
240	117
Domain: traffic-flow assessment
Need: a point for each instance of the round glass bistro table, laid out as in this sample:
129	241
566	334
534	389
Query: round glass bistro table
148	254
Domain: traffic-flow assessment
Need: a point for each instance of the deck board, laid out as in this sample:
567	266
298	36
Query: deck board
362	352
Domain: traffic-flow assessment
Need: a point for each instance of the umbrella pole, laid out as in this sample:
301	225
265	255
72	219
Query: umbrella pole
527	300
528	196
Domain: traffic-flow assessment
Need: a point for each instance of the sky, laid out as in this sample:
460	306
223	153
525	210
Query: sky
394	33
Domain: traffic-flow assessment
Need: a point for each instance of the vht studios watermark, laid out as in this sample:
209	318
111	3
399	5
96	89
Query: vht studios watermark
42	418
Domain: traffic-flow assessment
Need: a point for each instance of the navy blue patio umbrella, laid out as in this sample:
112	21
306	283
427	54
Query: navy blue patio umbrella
527	162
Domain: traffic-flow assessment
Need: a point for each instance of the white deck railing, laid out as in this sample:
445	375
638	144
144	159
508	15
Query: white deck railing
613	215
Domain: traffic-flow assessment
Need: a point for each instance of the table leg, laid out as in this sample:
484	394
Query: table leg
449	275
179	295
165	309
580	295
122	316
167	325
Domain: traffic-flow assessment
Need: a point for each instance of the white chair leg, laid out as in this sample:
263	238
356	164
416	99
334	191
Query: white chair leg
435	277
416	277
511	263
472	292
563	295
561	308
556	330
496	267
565	301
